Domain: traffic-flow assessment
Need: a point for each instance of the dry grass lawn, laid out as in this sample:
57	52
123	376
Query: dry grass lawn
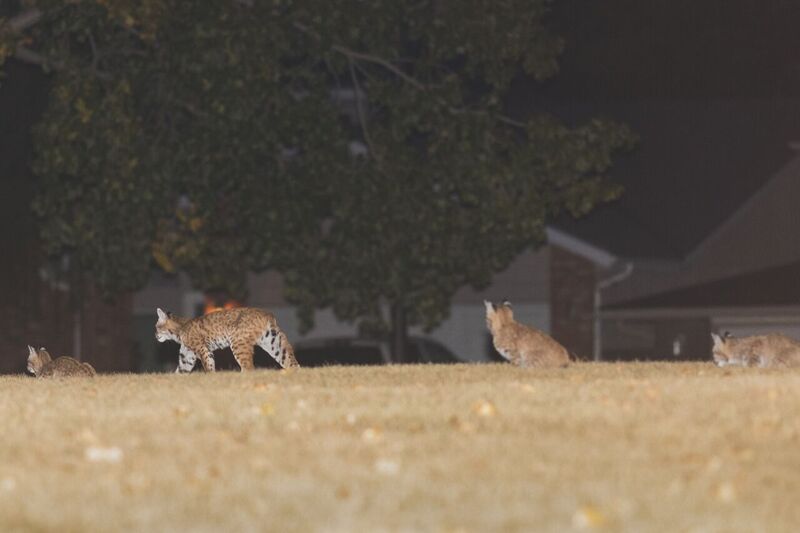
616	447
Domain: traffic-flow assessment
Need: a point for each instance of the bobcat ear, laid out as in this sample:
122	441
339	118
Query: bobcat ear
506	303
162	316
727	335
31	351
489	305
717	339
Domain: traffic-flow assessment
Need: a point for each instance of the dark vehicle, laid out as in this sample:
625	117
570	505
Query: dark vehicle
359	351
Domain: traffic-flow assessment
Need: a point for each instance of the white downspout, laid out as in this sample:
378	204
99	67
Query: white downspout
598	301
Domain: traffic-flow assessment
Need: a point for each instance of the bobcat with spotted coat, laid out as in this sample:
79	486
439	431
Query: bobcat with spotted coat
522	345
42	365
764	351
241	329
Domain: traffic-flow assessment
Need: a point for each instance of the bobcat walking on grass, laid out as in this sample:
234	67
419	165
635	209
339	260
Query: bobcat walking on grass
771	350
41	365
241	329
522	345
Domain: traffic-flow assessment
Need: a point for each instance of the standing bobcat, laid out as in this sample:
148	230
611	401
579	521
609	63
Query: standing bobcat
41	365
241	329
520	344
771	350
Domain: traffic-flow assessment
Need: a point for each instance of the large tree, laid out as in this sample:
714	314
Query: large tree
360	148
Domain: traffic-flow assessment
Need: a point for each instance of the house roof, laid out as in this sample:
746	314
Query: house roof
585	249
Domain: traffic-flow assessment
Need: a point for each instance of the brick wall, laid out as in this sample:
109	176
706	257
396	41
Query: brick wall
572	284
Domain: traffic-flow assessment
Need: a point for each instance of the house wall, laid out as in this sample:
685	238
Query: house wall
656	338
684	333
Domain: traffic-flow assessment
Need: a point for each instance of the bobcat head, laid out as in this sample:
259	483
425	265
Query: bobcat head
167	326
37	360
722	350
497	315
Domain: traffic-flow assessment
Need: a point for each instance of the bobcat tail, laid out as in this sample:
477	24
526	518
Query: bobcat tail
288	360
277	345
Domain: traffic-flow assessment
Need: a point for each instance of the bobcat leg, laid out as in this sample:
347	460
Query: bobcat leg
189	356
186	360
207	359
243	353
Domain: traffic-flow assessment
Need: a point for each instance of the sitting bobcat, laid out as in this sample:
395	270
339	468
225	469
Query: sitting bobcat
771	350
241	329
522	345
41	365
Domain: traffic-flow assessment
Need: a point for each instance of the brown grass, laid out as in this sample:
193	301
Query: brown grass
634	447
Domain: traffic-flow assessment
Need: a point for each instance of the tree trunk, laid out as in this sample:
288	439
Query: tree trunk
399	333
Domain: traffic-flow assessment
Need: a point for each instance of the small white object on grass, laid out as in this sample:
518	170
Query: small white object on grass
371	435
100	454
484	408
387	467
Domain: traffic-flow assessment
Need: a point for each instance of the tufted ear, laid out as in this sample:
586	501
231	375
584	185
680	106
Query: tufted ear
162	316
489	306
718	341
45	355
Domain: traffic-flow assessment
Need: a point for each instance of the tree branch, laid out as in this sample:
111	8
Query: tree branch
352	54
24	20
189	108
360	110
19	23
27	55
94	51
502	118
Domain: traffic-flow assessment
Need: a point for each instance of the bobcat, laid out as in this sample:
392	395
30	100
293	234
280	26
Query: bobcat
522	345
240	329
41	365
771	350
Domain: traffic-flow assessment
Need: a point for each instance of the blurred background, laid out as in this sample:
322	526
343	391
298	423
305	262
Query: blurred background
625	172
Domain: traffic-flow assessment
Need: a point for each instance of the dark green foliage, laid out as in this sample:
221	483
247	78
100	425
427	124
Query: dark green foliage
204	136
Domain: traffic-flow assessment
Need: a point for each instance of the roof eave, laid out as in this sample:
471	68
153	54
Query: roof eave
596	255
